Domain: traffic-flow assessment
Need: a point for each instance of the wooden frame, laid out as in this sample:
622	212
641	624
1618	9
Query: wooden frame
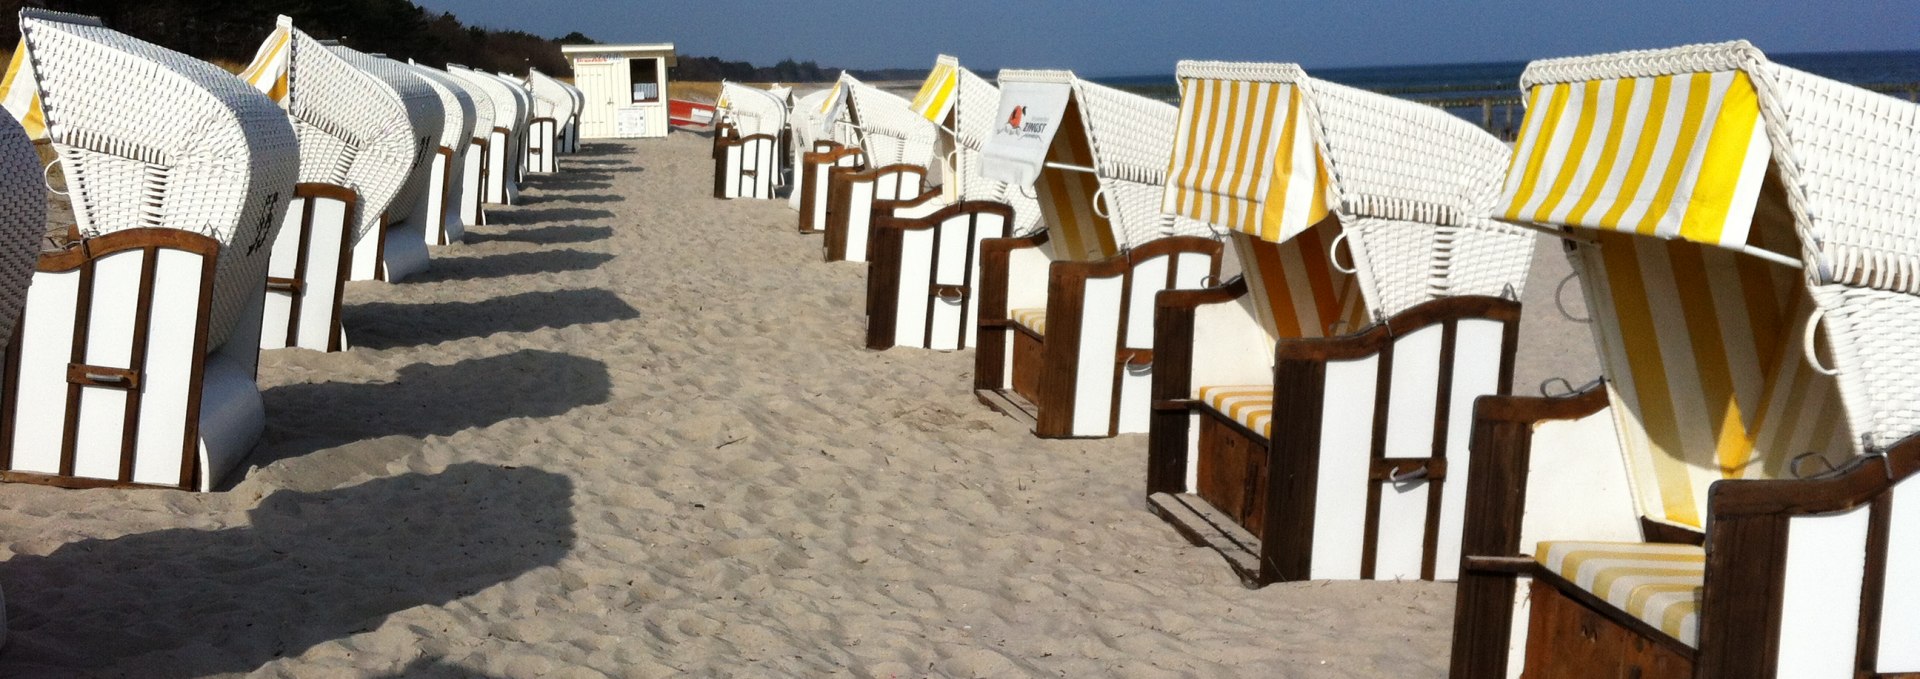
854	195
920	290
1311	504
109	367
812	180
543	135
307	274
744	167
1748	569
498	169
441	210
1089	305
473	211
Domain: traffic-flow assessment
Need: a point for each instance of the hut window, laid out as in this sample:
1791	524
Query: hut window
646	80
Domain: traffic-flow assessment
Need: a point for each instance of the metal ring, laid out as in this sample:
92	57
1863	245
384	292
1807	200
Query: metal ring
1333	255
1027	190
1137	367
1209	281
1812	350
1099	202
46	176
1560	302
956	299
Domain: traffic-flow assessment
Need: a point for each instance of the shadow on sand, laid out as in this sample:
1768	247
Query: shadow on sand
550	214
311	567
385	325
428	400
545	235
509	264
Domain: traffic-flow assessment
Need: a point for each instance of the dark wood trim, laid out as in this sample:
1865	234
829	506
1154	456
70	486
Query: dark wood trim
1654	531
1293	475
883	268
1173	339
990	346
1382	400
840	183
826	155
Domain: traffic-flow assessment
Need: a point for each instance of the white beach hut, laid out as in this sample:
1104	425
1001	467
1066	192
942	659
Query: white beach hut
624	87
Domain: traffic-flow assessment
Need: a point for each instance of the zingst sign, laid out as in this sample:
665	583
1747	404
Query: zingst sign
1030	115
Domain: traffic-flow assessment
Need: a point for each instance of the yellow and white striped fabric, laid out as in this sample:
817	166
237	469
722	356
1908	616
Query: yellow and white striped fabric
20	94
1678	156
1249	404
1655	583
1244	157
1076	231
1034	319
935	98
1297	291
271	65
1702	348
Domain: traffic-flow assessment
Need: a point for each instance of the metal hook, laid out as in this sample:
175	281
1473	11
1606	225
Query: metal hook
1099	202
1414	474
1333	255
46	176
1570	389
1560	302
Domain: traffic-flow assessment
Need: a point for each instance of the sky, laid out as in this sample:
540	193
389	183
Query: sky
1140	37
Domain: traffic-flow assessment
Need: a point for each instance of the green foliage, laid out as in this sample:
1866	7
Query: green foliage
229	31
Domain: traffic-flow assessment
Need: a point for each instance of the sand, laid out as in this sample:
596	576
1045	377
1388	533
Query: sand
628	430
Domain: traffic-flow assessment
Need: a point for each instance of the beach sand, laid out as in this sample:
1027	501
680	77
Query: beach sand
629	430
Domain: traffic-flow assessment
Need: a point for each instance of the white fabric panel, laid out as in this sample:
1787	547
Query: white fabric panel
1015	155
282	263
1149	278
950	268
1410	412
1099	335
45	348
103	411
169	369
860	217
434	216
985	226
323	272
1136	400
730	172
406	251
1476	373
1346	434
232	416
1820	604
471	188
1230	346
916	275
1900	602
498	144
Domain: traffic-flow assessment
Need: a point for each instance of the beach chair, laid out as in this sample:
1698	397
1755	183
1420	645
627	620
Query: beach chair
23	217
899	149
522	138
500	185
552	118
572	142
1739	498
133	361
1310	417
402	250
1066	316
834	146
466	145
965	107
746	143
803	127
435	212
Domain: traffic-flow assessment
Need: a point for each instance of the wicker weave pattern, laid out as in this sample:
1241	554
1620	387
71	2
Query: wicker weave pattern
892	132
976	107
550	95
506	108
424	116
1132	135
149	137
351	128
23	216
1871	333
456	132
754	110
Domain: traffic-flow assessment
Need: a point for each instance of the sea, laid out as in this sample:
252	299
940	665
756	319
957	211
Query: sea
1473	91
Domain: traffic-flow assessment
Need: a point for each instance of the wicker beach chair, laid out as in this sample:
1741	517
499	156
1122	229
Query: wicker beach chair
454	195
474	165
553	115
500	183
746	142
522	137
1310	418
1066	316
1739	498
133	362
834	146
402	250
572	144
23	216
901	164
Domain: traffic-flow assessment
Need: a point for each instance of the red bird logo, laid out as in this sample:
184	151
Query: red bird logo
1018	113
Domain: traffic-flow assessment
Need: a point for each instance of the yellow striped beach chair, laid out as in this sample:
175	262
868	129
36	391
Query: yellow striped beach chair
833	144
1066	316
900	165
133	360
1737	500
1310	417
746	142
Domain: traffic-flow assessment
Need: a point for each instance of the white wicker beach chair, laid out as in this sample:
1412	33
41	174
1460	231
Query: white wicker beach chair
830	145
557	127
357	152
1740	498
402	250
1311	418
133	363
572	143
746	142
899	149
522	137
502	183
1066	315
447	191
473	173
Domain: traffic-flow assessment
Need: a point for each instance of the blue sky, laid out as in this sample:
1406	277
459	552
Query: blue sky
1126	37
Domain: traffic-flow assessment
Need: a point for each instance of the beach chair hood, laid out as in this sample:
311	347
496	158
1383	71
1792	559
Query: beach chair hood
424	115
354	130
23	217
1120	142
965	104
551	98
1732	166
889	131
169	142
461	112
483	108
506	107
1265	150
753	110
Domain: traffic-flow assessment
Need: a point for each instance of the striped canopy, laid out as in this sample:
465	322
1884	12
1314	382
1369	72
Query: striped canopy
936	96
1679	156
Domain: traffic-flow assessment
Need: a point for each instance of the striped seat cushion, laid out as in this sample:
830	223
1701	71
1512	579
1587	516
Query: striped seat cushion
1655	583
1031	319
1250	405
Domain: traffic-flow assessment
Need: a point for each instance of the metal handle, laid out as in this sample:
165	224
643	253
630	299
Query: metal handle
1808	344
1100	203
1333	254
1414	474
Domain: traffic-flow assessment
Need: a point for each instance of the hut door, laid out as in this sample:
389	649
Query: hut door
602	97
